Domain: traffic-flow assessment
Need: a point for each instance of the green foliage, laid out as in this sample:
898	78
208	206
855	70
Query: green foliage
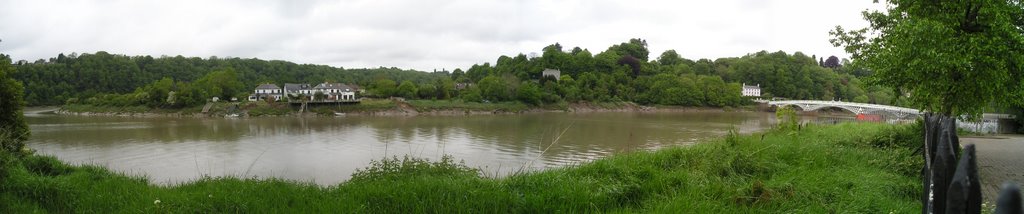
635	47
411	167
493	88
407	90
529	93
385	88
788	120
671	80
223	84
442	105
53	81
12	121
319	96
861	99
472	95
256	109
427	91
859	168
621	73
953	57
366	105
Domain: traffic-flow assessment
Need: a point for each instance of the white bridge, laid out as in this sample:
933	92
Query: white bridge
862	108
856	108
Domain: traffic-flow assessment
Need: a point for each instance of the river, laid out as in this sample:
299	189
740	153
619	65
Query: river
327	150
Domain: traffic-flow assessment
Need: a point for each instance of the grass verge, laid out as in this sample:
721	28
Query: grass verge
856	168
441	105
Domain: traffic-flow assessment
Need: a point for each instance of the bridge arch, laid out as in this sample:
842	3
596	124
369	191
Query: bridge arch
808	107
855	108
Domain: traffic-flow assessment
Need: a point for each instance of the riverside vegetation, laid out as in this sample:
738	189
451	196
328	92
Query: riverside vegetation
853	167
623	72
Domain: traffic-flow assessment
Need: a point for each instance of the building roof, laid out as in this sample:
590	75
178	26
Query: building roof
745	86
267	86
549	71
339	86
293	88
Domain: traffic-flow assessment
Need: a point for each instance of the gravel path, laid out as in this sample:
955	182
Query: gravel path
1000	159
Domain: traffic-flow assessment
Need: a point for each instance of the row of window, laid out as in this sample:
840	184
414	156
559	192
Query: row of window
302	91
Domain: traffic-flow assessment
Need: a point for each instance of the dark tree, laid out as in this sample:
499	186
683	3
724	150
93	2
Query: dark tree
832	62
633	62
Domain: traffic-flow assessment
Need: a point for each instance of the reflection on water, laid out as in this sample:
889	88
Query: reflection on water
328	150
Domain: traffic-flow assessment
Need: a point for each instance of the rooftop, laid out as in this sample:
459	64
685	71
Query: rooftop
267	86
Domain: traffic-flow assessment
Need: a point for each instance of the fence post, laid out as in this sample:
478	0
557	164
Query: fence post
964	194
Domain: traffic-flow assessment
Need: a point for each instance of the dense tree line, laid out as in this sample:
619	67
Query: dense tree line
623	72
56	80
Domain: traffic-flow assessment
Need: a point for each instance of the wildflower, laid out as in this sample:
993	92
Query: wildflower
157	202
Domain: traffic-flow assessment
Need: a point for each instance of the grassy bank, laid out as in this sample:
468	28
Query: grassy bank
859	168
219	108
459	105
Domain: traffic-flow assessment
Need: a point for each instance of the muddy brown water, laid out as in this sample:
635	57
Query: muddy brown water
327	150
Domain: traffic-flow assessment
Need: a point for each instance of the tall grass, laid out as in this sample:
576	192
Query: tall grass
857	168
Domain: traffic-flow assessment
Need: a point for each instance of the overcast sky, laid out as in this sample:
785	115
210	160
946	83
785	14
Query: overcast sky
417	34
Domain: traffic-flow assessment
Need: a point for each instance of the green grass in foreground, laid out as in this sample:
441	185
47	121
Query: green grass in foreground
848	168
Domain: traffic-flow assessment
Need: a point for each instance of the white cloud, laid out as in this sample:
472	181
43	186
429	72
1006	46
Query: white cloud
421	35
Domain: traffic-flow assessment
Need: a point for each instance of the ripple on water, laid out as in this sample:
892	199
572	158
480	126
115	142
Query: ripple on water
328	150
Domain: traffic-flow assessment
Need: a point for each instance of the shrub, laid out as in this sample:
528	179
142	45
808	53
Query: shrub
411	167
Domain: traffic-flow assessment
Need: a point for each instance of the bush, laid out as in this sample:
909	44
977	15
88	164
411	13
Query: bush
787	118
411	167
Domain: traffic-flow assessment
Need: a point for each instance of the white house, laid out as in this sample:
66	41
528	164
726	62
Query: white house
552	72
295	90
751	90
333	92
336	91
266	91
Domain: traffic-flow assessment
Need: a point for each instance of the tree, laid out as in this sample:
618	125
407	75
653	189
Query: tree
529	93
445	89
427	91
223	83
831	62
953	57
385	87
635	47
633	63
492	88
670	57
158	92
11	119
319	96
407	89
714	90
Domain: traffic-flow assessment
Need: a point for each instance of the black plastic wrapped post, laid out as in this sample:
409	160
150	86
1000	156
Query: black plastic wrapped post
1009	200
964	194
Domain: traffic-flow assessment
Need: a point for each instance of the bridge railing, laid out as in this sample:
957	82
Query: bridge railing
872	107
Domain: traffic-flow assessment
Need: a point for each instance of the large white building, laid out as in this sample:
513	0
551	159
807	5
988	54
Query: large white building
266	91
751	90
